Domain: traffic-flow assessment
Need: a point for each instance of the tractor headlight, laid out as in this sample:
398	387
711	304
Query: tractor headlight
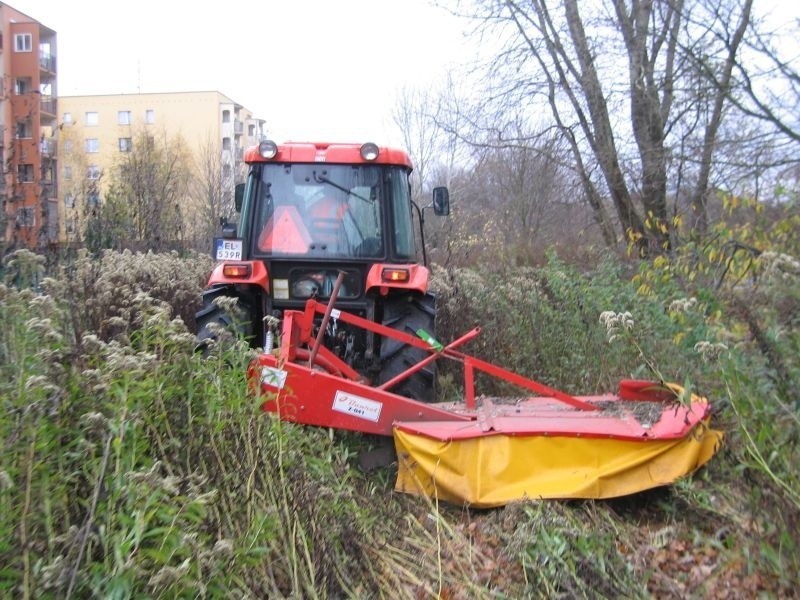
311	283
268	149
369	151
305	288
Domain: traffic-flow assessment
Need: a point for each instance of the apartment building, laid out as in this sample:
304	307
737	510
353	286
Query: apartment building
95	131
28	119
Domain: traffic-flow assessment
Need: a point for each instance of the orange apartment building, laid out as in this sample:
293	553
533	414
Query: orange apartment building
28	123
39	207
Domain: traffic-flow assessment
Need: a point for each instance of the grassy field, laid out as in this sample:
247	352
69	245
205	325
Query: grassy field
132	467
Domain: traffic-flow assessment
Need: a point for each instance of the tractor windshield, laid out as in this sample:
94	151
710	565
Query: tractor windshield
319	210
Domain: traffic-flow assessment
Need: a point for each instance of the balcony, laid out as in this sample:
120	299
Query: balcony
49	190
47	62
238	127
47	148
48	106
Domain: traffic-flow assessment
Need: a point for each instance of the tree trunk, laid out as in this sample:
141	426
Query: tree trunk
700	194
601	135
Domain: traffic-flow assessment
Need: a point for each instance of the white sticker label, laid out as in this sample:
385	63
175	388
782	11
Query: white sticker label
228	249
356	406
280	289
273	377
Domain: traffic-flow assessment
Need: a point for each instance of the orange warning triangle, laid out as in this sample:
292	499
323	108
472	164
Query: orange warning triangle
285	232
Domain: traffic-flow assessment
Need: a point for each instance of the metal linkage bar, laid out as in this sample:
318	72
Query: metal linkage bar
470	363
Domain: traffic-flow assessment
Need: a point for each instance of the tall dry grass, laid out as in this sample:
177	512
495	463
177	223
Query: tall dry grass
133	467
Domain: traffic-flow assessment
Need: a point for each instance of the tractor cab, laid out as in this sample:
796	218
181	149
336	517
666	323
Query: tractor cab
330	212
329	201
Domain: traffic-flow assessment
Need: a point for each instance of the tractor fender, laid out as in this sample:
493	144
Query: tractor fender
254	273
378	278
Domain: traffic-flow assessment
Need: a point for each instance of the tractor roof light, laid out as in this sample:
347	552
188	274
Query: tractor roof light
369	151
268	149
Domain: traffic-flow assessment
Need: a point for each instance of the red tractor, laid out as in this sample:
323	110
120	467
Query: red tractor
323	261
308	212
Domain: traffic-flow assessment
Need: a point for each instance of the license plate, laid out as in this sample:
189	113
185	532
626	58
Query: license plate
227	249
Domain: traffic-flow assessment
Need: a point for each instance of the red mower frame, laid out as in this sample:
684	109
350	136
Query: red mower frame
306	383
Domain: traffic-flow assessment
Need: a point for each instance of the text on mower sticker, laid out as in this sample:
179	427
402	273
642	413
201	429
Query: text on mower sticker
273	377
356	406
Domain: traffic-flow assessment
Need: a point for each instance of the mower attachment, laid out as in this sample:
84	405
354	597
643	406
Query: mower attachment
487	452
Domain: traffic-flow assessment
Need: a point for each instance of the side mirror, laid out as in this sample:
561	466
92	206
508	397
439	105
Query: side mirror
441	201
228	230
238	197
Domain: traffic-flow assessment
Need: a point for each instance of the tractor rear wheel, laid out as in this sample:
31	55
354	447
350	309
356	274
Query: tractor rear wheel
409	314
211	318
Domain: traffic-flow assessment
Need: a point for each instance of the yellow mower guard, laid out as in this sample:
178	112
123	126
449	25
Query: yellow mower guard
494	470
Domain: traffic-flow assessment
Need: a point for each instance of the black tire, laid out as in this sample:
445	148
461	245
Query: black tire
211	316
408	314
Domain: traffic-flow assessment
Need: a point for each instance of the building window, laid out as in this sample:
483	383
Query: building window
67	146
226	116
24	130
125	144
22	85
92	118
69	201
251	131
226	143
69	225
25	173
23	42
26	216
92	199
93	172
67	118
92	145
124	117
149	116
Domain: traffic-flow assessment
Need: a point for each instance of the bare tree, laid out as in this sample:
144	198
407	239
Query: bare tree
614	78
81	189
765	82
720	71
152	181
519	183
413	117
105	223
435	153
212	190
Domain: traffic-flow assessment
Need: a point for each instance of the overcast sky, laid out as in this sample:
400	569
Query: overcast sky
313	69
